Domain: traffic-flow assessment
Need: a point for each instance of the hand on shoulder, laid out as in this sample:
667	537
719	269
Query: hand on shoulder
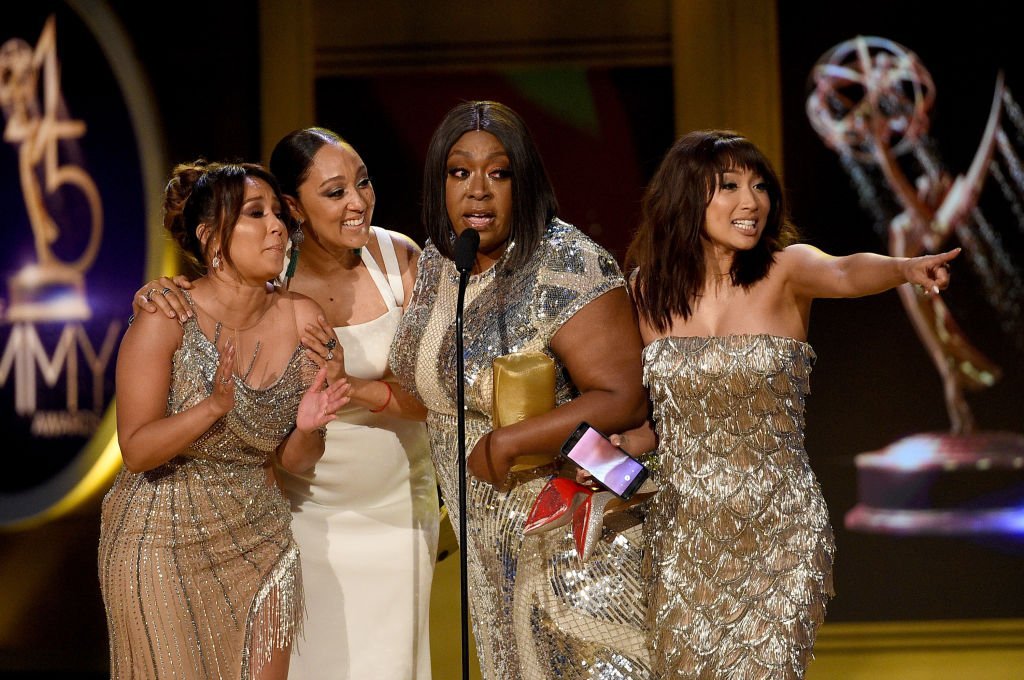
153	335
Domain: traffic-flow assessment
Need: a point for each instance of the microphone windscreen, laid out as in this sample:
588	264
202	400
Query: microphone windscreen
465	249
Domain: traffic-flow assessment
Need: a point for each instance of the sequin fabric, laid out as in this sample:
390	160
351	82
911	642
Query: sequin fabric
538	612
198	569
741	547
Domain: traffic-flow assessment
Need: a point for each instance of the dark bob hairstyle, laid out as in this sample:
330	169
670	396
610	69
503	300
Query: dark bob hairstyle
533	198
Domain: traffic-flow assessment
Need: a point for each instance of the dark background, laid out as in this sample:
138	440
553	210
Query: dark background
872	383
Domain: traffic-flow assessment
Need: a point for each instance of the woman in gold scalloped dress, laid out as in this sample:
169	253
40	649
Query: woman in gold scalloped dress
739	544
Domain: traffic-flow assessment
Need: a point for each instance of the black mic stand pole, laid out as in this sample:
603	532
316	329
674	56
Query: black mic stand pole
460	368
465	255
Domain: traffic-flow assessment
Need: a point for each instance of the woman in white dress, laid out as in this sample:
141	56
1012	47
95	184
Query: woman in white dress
366	517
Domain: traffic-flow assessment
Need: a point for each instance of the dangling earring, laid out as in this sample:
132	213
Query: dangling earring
215	263
293	254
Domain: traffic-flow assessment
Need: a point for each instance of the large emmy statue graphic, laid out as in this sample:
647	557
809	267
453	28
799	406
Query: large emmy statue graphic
50	289
870	104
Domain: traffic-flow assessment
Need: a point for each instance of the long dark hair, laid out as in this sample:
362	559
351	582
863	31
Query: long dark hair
667	247
533	198
201	192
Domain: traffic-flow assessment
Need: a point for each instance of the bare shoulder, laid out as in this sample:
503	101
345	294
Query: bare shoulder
153	335
406	248
800	250
306	308
799	255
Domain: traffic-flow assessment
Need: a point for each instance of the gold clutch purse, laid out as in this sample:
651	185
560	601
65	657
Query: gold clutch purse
524	386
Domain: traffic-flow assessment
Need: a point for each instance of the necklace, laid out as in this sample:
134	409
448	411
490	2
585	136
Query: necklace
219	326
252	361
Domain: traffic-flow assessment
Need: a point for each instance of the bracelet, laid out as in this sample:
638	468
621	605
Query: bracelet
386	401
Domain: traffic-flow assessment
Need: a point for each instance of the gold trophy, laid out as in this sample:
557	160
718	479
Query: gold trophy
49	289
870	105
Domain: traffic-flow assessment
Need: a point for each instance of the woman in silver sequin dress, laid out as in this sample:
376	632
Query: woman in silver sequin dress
739	538
198	569
538	284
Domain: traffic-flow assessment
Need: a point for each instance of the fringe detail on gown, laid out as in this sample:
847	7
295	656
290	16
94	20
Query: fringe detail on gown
275	620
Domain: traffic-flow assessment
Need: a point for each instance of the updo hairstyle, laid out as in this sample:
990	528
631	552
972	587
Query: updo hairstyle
211	193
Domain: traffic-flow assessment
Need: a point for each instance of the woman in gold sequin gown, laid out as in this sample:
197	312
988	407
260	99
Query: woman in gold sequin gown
739	544
538	284
198	569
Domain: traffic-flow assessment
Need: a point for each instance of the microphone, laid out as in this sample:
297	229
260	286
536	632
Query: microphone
465	256
465	249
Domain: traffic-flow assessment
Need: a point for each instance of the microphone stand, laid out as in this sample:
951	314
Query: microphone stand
465	255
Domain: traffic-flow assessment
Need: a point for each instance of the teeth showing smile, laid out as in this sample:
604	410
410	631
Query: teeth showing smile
745	226
357	222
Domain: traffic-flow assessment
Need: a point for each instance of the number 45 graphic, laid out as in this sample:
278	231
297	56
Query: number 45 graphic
51	289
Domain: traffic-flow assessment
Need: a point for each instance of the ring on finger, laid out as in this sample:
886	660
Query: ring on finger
149	294
165	291
330	355
331	344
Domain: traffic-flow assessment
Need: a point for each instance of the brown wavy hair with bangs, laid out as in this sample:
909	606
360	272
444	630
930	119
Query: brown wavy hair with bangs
667	249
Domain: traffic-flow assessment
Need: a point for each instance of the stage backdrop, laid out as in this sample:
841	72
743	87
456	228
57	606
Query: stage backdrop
601	131
873	383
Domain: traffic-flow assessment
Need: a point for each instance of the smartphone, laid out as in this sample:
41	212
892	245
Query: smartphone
609	465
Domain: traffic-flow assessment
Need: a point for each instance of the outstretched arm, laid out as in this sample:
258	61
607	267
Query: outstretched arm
816	274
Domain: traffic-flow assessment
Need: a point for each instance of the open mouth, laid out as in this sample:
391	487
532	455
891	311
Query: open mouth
748	227
478	220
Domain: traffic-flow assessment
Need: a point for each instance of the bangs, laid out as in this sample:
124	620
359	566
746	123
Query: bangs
737	154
